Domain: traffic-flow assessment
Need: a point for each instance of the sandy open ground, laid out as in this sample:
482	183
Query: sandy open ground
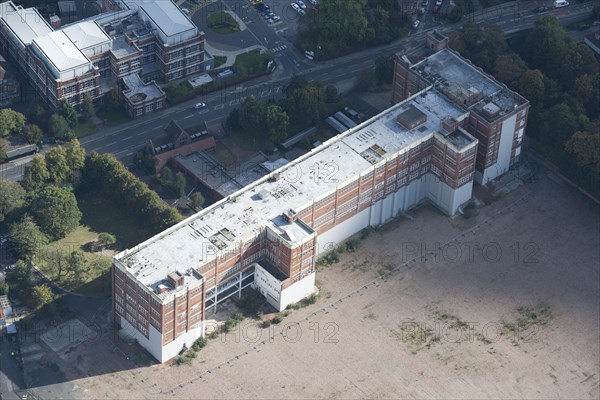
504	304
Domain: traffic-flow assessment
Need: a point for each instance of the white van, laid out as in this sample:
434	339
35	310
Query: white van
560	3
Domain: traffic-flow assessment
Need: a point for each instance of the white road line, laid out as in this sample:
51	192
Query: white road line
219	106
189	116
204	111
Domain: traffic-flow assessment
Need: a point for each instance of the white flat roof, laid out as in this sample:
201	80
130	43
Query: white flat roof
320	172
167	17
61	51
26	24
86	34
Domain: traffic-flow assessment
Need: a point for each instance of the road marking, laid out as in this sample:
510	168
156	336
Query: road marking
189	116
204	111
234	102
219	106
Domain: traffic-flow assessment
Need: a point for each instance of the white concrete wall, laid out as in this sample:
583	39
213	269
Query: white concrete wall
298	291
325	241
267	285
502	163
153	344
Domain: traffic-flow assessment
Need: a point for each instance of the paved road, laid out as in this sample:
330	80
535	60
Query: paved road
123	141
11	375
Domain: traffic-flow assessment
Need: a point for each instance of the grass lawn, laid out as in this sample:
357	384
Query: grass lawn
224	155
222	23
219	60
99	262
84	128
102	215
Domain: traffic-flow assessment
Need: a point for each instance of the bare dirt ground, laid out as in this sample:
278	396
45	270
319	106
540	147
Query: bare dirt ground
504	304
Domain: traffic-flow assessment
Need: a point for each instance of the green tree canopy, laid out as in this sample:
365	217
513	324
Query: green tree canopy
66	110
197	200
508	68
12	197
107	239
585	146
56	161
59	128
77	266
87	106
11	122
531	86
36	173
75	155
55	210
40	296
32	133
276	123
178	184
27	237
384	69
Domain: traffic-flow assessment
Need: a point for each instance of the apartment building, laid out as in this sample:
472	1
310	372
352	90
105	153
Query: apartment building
154	40
497	115
269	233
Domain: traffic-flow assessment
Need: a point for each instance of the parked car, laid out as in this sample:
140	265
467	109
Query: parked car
275	18
295	6
438	3
415	24
185	10
540	9
301	12
198	106
301	4
313	2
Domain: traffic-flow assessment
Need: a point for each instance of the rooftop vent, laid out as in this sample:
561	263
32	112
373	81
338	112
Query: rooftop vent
176	279
491	110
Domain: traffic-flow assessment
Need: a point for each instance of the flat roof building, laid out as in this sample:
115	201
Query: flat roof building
498	115
155	40
414	151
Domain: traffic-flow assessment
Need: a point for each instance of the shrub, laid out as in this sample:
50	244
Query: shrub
277	319
265	324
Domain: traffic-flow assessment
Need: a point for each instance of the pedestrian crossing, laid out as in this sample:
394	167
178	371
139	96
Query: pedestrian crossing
278	48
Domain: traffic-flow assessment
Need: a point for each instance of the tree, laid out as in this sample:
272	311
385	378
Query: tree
27	237
252	113
531	86
3	150
87	106
36	173
37	114
78	266
178	184
4	288
559	124
384	69
587	91
11	122
276	123
197	200
59	128
342	28
56	257
55	210
40	296
75	155
508	68
585	146
32	133
331	94
113	100
66	110
165	175
309	103
107	239
56	161
22	275
297	82
12	197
